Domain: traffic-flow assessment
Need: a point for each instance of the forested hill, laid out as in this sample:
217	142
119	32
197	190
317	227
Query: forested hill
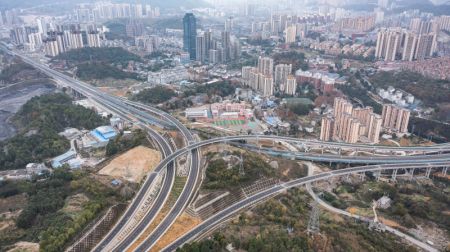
39	122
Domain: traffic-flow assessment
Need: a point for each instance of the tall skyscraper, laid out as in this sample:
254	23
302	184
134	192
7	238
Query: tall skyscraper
226	45
190	34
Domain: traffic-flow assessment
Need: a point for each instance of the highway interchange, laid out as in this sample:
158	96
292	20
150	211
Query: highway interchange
145	115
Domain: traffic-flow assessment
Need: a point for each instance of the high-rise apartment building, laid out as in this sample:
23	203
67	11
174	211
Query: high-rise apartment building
396	43
291	85
200	48
229	24
374	128
395	118
226	45
409	46
42	25
363	115
351	125
35	41
388	44
51	47
290	34
326	131
443	23
267	85
265	65
93	39
426	44
76	40
214	56
190	34
420	26
282	71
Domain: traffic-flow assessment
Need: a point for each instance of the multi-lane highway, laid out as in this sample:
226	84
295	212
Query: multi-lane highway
130	231
225	214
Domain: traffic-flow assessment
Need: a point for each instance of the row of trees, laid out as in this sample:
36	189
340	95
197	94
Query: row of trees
88	71
222	88
154	95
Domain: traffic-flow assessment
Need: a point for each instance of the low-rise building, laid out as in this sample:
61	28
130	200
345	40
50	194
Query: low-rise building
63	159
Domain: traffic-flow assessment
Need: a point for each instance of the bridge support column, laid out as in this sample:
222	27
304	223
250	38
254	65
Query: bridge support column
411	175
394	175
362	176
347	178
444	171
377	175
428	172
339	151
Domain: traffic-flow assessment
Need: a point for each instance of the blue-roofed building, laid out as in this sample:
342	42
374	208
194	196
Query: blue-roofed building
103	134
63	159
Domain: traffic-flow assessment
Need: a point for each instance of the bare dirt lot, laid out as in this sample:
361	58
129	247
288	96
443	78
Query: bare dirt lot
132	165
25	247
183	224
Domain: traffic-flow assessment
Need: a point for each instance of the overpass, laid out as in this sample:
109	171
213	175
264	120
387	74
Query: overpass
213	221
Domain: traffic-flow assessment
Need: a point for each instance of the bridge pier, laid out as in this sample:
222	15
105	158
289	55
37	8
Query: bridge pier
412	173
377	175
339	151
394	175
347	178
444	171
428	172
362	176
